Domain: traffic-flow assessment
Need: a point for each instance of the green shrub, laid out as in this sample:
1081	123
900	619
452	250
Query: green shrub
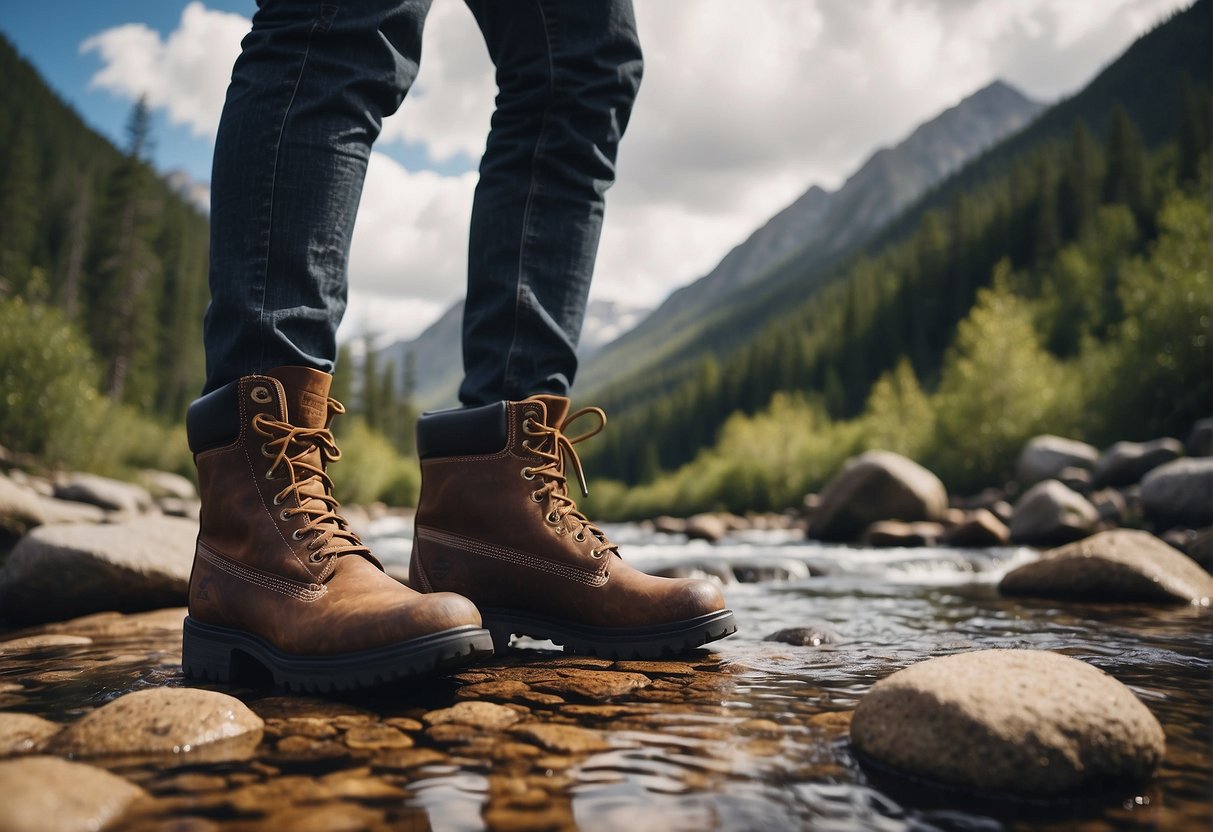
371	469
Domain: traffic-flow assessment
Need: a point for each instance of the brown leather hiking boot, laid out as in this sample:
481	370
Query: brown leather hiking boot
496	523
279	577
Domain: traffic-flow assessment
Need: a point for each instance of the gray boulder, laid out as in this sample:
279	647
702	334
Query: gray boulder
885	534
23	509
167	484
1179	493
669	525
979	529
1117	565
1025	722
112	495
1045	457
61	571
1049	514
1200	440
1126	463
878	485
709	527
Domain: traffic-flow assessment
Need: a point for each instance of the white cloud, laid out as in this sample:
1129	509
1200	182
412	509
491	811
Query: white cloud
740	112
185	74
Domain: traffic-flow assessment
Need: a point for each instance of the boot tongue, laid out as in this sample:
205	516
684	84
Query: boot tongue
557	407
307	395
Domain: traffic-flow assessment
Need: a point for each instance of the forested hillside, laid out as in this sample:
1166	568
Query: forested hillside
1071	219
92	231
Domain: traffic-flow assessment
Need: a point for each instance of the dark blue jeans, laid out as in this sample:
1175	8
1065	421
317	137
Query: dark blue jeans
308	96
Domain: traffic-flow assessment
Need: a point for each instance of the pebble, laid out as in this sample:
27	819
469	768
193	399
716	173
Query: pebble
376	737
565	739
22	733
483	715
595	685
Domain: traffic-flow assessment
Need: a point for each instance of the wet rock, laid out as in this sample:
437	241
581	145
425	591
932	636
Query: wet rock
655	668
306	726
1179	493
326	817
483	715
596	685
669	525
709	527
979	529
563	739
43	793
754	570
1026	722
877	485
1044	457
41	642
1109	505
1125	463
160	720
23	733
885	534
813	636
176	507
1049	513
107	624
407	759
61	571
1200	440
1117	565
505	690
111	495
167	484
376	738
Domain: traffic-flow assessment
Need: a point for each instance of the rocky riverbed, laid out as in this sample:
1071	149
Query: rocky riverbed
754	734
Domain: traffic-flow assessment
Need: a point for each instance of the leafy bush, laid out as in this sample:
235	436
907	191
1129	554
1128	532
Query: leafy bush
370	469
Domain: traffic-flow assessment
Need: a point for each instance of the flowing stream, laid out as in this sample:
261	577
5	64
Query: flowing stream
749	735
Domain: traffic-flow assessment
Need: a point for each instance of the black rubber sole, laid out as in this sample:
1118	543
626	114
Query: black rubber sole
221	654
654	642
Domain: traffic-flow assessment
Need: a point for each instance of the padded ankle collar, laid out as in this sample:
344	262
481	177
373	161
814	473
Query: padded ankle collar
462	431
214	419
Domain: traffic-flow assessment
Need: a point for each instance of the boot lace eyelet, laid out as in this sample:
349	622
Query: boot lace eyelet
579	537
315	557
553	517
259	394
597	554
265	450
537	496
277	500
295	535
269	474
285	515
528	474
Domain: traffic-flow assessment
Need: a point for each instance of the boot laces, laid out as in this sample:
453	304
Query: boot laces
556	446
288	445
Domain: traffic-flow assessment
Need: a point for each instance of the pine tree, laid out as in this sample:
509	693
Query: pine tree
18	207
1079	193
1125	178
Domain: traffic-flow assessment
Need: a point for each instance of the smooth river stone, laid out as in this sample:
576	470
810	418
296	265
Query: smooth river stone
1118	565
43	793
1026	722
22	733
157	721
484	715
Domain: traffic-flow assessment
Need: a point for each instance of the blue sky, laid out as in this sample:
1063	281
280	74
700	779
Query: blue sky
49	34
715	147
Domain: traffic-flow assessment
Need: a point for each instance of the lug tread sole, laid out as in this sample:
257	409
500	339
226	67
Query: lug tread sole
219	654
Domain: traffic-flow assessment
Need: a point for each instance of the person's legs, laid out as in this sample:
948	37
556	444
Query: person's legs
496	521
279	576
307	98
567	73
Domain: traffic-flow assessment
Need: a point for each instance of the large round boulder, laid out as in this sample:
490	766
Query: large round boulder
1180	493
1117	565
979	529
1049	514
1045	457
1125	463
42	793
878	485
62	571
1026	722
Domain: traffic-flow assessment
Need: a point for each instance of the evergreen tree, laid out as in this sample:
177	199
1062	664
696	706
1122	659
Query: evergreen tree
18	207
1125	177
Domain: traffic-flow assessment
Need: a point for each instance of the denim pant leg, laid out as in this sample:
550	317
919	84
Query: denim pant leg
567	75
307	98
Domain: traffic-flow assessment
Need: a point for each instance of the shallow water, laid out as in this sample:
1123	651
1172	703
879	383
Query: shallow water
749	735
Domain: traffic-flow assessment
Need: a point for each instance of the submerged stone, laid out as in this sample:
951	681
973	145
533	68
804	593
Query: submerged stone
22	733
1025	722
42	793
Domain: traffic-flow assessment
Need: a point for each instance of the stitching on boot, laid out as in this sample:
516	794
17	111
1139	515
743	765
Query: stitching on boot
303	592
423	578
511	556
508	450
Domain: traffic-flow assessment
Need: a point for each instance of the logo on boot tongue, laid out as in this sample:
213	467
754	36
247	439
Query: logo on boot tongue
313	409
